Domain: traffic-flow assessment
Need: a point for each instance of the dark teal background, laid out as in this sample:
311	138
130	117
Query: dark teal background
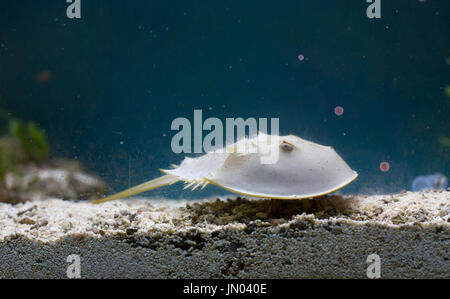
128	68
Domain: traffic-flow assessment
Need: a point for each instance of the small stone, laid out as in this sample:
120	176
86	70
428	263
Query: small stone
132	217
66	226
131	231
27	220
336	230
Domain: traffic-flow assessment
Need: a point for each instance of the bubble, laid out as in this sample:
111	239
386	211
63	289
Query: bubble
338	110
436	181
301	57
384	166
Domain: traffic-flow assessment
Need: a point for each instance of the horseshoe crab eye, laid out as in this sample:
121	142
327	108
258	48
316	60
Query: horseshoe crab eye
286	146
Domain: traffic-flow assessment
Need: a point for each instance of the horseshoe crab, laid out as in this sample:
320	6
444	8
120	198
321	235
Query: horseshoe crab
265	166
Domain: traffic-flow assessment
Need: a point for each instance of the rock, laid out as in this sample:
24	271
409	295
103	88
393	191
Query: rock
27	220
63	179
12	151
131	231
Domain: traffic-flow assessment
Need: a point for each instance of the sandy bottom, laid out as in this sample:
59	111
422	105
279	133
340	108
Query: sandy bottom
326	237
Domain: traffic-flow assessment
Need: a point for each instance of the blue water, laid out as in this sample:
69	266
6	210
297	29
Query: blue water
107	87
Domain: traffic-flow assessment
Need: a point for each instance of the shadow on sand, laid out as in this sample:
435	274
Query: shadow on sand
246	210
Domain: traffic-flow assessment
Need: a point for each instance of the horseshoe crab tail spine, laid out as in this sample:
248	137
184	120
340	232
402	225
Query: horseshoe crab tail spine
150	185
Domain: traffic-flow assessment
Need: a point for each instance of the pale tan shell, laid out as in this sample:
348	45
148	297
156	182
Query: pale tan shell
304	169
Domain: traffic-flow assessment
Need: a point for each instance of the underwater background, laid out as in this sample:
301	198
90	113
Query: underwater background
107	87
